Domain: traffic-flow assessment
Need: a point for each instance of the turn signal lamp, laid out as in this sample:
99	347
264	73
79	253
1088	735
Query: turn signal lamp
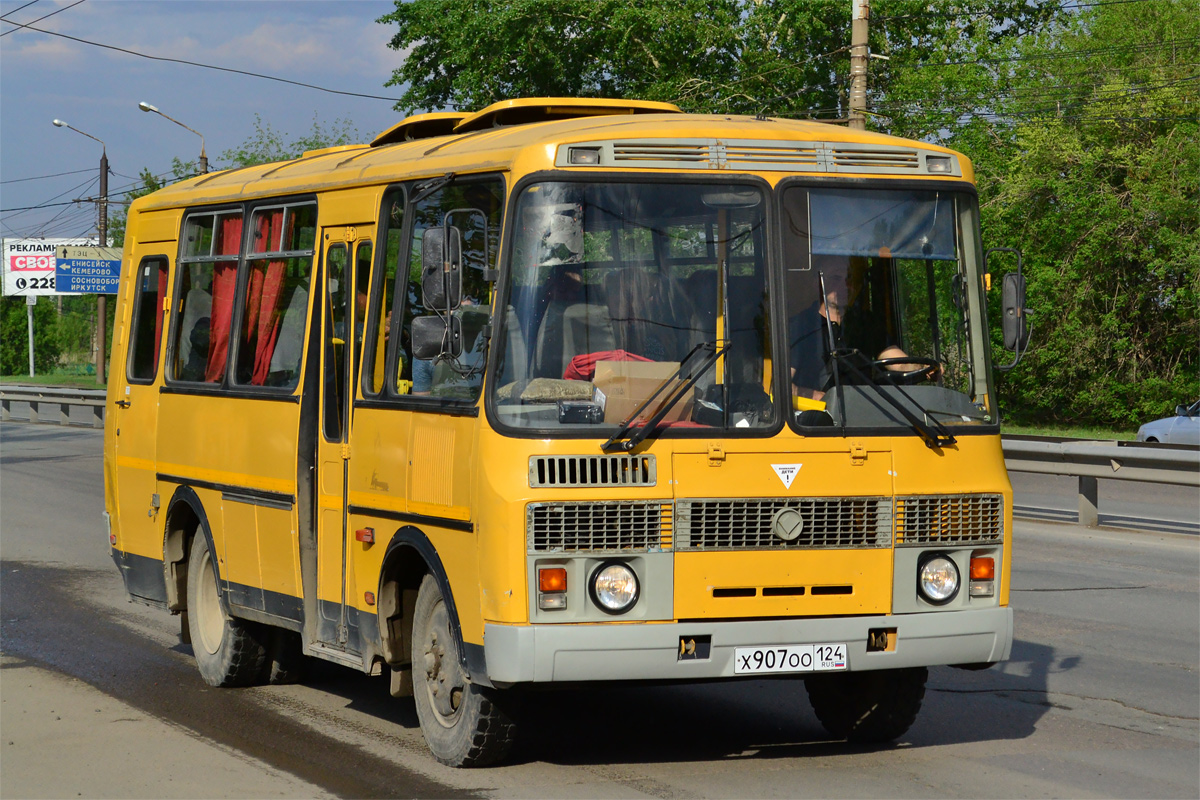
983	576
552	588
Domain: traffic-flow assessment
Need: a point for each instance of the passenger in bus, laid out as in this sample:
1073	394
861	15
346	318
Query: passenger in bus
197	359
842	315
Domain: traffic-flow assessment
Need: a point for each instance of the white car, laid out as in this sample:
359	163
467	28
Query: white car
1183	428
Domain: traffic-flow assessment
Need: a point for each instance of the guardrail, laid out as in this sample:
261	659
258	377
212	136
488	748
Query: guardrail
38	396
1091	460
1086	460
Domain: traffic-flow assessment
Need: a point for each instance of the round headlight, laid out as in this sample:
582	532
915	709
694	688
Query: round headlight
937	580
614	588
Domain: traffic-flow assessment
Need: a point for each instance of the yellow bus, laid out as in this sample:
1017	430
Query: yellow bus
568	391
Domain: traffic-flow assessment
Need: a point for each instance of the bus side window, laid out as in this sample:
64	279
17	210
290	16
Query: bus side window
279	270
335	342
475	208
207	282
362	277
147	320
379	328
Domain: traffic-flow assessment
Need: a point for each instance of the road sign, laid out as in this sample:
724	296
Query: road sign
29	265
87	270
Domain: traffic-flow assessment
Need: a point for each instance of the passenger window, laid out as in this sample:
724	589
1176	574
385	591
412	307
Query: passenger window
362	289
377	341
207	282
275	313
147	320
475	209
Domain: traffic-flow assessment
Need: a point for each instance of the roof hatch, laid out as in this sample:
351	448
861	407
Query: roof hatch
548	109
420	126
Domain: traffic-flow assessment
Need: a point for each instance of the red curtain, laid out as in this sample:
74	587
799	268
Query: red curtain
224	287
262	299
158	313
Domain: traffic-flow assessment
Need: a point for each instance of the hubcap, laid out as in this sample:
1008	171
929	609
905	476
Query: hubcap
443	674
210	620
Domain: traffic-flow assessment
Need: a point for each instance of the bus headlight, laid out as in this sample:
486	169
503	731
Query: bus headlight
614	587
937	579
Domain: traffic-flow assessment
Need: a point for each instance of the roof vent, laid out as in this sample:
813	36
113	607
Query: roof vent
550	109
420	126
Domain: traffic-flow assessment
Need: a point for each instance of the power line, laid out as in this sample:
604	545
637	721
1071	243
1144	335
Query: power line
204	66
39	19
15	10
43	177
1054	56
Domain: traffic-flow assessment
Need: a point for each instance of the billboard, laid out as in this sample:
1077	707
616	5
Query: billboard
30	265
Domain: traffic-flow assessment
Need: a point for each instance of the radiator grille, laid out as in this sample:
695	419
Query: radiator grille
598	527
949	519
828	522
559	471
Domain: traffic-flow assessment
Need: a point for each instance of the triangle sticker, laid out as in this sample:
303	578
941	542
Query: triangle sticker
787	473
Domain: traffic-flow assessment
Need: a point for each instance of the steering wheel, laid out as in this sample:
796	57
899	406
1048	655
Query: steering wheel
928	369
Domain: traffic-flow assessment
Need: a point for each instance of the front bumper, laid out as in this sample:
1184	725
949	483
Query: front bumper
650	651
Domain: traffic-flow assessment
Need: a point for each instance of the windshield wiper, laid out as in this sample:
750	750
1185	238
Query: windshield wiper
933	432
676	394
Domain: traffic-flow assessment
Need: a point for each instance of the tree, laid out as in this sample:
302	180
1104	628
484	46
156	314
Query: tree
14	336
781	57
266	144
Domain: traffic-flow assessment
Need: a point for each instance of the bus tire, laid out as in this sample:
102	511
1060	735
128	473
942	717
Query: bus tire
872	707
229	652
463	724
285	662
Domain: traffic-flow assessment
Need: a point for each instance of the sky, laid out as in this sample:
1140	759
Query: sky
336	45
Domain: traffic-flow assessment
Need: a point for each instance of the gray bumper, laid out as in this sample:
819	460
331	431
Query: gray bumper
613	652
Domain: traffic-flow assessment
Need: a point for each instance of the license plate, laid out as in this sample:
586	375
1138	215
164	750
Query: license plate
789	658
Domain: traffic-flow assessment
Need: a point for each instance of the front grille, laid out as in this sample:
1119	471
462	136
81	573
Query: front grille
746	524
567	471
616	526
945	520
761	155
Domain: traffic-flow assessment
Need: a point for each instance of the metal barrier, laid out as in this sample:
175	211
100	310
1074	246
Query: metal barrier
38	396
1090	460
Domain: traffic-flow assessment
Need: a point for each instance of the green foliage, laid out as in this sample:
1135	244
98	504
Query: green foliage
267	144
14	336
781	57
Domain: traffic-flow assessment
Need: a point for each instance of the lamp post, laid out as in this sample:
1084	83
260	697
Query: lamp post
101	300
144	106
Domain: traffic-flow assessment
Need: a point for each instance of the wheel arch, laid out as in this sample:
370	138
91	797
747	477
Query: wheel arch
185	519
408	558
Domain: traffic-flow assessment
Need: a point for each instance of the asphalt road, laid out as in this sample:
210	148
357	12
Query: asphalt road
99	698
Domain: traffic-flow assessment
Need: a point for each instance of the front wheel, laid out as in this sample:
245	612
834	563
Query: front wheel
868	707
462	723
229	652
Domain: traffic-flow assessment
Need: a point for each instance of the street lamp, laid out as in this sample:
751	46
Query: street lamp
101	300
144	106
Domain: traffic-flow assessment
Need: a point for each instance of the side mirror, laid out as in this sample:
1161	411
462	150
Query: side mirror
441	268
1181	411
433	336
1014	324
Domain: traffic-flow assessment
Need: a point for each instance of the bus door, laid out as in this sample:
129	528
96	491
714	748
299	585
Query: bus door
342	314
133	418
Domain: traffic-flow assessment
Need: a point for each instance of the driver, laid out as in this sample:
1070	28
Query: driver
808	331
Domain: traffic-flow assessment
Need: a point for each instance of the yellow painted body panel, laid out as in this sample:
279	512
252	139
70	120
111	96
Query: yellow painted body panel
868	572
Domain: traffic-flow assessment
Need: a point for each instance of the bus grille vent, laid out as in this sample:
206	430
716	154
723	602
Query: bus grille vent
858	158
569	471
601	527
945	520
826	522
766	155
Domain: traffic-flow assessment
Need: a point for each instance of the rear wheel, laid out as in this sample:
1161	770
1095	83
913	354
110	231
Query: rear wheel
229	652
463	724
868	707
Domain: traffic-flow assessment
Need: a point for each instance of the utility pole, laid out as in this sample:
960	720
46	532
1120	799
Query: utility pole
859	55
102	299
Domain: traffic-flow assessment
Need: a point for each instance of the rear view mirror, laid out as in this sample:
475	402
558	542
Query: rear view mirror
1181	411
1015	326
434	336
1014	316
441	268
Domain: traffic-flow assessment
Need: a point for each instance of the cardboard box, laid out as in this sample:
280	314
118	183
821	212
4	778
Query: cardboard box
625	384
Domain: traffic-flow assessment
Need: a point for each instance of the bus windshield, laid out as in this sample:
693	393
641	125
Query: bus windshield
617	289
880	300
